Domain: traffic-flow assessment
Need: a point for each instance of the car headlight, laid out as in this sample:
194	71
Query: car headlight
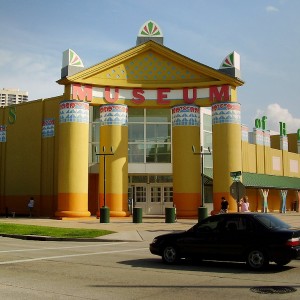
154	240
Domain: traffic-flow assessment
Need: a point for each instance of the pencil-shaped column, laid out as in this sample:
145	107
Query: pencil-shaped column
226	128
186	165
114	140
73	159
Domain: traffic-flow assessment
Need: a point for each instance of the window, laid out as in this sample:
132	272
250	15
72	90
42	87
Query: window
149	135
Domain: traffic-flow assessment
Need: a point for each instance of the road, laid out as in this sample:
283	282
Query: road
126	270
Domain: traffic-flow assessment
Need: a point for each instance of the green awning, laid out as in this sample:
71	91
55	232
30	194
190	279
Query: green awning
253	180
270	181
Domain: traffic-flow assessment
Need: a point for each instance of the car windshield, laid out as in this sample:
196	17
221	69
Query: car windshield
271	222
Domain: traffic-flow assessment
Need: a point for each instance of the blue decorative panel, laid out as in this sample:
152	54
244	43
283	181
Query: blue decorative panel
228	112
185	115
74	112
2	133
114	115
48	128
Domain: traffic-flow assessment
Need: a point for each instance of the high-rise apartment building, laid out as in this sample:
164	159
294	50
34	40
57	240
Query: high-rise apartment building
12	96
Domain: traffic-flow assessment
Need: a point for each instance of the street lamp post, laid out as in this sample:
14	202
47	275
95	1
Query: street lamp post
202	211
104	211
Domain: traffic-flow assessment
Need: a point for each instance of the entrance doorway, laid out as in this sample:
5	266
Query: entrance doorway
153	198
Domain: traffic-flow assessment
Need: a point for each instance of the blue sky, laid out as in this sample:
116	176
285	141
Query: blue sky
266	34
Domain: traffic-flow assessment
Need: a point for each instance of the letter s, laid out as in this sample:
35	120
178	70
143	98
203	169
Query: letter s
12	116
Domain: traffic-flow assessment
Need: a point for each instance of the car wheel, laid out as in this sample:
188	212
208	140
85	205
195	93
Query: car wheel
282	262
257	259
170	255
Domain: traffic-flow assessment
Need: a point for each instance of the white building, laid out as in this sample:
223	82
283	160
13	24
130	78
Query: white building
12	96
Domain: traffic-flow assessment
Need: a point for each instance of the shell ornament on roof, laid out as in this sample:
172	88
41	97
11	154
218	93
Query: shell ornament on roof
74	59
232	60
150	28
71	58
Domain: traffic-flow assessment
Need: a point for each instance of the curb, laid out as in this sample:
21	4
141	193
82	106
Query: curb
50	238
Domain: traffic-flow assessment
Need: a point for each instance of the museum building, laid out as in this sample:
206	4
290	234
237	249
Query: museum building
149	128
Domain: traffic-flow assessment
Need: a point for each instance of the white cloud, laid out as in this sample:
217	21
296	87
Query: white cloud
275	114
272	9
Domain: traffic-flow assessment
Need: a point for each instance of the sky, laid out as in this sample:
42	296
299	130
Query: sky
266	34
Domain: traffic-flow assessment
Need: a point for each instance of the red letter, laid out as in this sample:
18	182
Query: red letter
107	95
82	92
186	96
138	98
216	95
161	95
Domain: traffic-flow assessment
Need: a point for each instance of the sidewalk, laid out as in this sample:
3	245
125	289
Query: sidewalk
126	230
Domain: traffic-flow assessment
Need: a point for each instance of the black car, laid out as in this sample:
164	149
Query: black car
254	238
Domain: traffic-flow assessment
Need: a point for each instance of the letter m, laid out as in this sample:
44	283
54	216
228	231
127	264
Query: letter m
219	93
82	92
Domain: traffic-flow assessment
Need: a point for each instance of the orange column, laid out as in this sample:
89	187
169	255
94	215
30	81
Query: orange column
227	150
186	165
114	135
73	159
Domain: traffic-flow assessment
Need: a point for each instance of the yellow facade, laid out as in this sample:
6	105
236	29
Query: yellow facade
114	149
48	159
186	175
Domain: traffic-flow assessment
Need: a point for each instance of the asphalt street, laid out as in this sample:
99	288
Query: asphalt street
127	270
120	266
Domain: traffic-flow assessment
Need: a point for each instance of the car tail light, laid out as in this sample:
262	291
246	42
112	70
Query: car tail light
293	242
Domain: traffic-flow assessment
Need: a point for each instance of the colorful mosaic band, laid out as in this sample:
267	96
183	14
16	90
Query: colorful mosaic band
284	145
267	138
245	133
2	133
258	136
227	112
114	115
74	112
48	128
185	115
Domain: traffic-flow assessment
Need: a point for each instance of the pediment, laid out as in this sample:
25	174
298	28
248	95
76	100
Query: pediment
150	65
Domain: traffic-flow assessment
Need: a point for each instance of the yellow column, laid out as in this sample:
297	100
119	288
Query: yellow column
73	159
226	127
114	134
186	165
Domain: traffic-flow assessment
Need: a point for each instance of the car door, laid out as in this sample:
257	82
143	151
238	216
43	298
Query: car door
201	240
233	237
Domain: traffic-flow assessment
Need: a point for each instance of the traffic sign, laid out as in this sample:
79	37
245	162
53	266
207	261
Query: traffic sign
237	190
235	174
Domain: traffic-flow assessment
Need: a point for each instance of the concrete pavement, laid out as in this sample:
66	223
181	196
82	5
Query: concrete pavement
125	229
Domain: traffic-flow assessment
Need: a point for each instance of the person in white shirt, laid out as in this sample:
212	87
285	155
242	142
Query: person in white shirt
30	206
244	204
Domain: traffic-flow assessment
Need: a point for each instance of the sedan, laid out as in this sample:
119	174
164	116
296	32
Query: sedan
253	238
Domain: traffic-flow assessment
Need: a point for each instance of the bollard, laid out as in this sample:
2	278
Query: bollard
170	215
202	213
137	216
104	214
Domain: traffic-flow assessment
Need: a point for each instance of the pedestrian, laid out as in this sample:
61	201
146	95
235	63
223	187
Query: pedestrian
224	206
31	206
244	204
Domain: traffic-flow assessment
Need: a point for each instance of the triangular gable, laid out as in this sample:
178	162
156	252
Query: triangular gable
151	65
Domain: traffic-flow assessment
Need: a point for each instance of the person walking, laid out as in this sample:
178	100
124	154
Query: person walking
224	206
31	206
244	204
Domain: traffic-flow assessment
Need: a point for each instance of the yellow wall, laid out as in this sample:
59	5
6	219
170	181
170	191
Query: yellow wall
26	159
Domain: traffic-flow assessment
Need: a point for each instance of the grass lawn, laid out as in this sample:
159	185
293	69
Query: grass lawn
58	232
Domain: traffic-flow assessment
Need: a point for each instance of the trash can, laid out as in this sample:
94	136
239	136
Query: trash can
202	213
137	216
170	215
104	214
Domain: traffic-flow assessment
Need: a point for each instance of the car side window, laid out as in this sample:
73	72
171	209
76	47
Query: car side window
238	224
209	225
